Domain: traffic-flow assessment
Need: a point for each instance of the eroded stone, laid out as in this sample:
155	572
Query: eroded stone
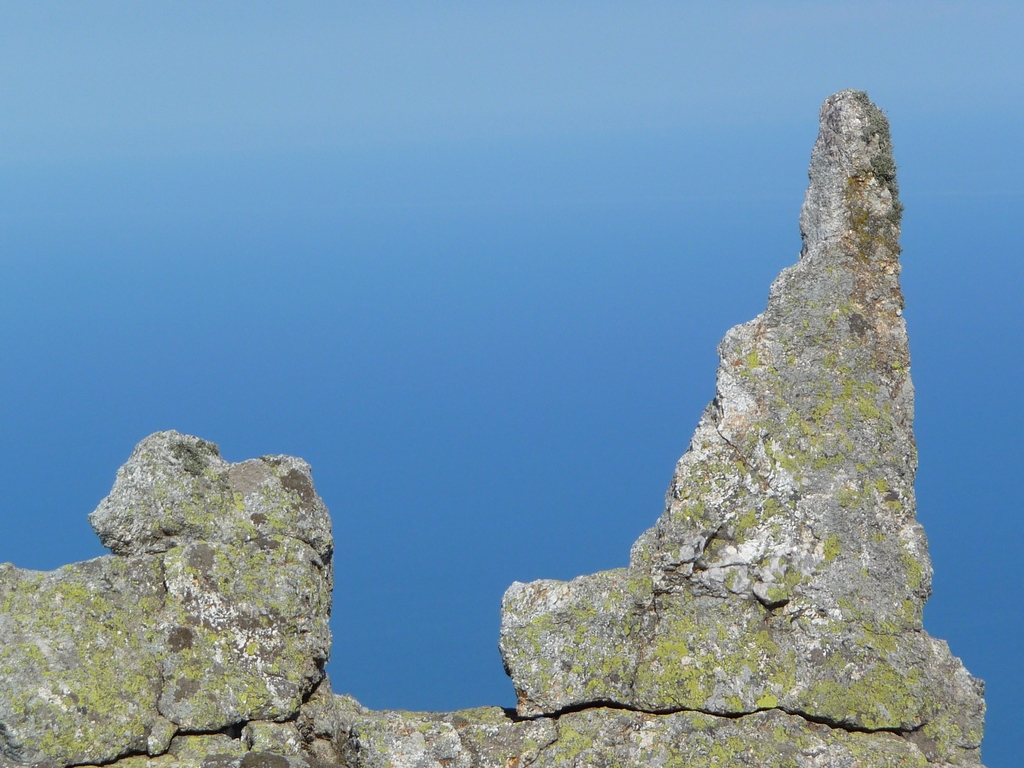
788	570
79	676
489	738
771	617
213	612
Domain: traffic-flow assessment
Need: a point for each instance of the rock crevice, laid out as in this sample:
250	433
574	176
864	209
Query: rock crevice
515	717
772	616
213	612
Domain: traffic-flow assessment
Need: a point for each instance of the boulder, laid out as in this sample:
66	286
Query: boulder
212	612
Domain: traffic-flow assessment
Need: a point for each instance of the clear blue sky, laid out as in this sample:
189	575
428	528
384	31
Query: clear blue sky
472	261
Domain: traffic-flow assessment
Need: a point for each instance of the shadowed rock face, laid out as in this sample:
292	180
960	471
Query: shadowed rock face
771	617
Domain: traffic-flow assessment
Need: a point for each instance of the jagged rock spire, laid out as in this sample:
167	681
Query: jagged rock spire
787	570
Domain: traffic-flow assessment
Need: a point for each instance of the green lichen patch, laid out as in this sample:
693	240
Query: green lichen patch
710	655
78	674
247	631
207	751
769	739
589	640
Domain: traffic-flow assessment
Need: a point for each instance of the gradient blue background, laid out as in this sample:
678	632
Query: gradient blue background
472	261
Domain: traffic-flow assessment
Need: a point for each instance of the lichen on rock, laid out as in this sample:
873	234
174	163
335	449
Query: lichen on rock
212	612
597	736
79	675
771	617
788	570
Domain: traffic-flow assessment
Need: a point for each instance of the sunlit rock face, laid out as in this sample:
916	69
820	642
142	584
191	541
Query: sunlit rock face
213	612
770	618
787	571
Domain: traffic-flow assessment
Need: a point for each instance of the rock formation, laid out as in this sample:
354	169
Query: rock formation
788	570
211	615
771	617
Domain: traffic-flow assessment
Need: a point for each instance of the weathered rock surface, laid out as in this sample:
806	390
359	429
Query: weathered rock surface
771	617
787	571
488	738
213	612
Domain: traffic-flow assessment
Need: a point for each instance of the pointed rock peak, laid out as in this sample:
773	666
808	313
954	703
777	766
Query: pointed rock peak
787	570
779	593
852	170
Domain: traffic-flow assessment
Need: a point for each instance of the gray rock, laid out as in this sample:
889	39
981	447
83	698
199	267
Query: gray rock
276	738
488	738
771	617
176	488
79	669
788	571
213	612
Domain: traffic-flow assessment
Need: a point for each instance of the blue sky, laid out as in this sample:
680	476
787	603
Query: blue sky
472	262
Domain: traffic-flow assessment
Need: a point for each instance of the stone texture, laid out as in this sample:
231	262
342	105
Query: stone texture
787	570
213	611
278	738
489	738
79	671
176	489
771	617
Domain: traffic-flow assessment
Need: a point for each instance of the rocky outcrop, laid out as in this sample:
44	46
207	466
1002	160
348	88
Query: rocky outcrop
602	736
787	571
213	612
771	617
